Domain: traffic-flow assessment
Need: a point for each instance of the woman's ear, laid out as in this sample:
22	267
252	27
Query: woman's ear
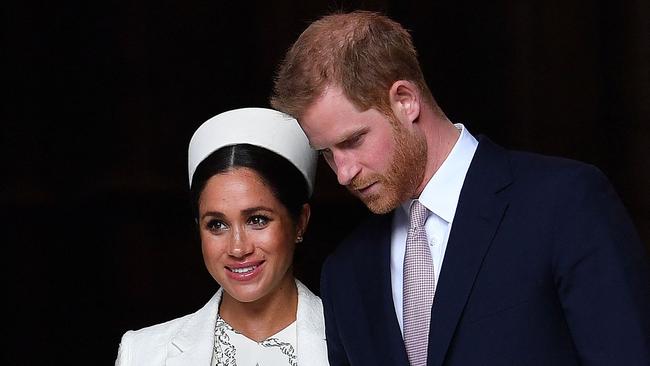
405	101
303	221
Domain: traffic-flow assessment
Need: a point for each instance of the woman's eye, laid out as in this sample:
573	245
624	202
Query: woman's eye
258	220
215	225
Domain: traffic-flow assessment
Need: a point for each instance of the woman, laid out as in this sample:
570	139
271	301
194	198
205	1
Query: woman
251	173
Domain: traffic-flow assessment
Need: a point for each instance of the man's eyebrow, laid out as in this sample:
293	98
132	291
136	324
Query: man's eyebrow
346	138
354	135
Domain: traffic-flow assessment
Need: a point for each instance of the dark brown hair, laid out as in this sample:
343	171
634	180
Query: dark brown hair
285	180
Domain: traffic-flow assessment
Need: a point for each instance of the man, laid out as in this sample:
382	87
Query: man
486	256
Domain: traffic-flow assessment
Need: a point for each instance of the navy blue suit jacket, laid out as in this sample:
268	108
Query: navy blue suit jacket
543	267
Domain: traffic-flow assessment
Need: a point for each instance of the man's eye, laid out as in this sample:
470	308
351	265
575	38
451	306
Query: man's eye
326	153
258	220
353	141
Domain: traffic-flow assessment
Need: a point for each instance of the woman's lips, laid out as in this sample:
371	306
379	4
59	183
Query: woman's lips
244	271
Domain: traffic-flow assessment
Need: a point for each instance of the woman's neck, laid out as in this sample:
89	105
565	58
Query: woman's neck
260	319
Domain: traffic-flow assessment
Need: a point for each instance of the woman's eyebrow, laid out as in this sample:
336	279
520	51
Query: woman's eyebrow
252	210
217	214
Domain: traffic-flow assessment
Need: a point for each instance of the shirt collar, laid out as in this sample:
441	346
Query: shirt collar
441	194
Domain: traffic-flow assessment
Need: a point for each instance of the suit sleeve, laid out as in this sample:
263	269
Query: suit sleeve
336	352
602	274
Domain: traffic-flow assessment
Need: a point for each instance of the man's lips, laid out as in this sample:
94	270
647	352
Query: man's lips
363	189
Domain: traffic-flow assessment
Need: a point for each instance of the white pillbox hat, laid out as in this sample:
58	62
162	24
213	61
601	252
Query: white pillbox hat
266	128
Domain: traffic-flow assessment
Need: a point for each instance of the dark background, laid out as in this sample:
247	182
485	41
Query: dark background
101	98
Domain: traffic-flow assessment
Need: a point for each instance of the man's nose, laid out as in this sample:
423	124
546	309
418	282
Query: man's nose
345	167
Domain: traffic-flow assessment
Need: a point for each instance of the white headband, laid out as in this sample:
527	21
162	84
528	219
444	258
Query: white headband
261	127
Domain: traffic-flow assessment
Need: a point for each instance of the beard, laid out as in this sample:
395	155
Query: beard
404	175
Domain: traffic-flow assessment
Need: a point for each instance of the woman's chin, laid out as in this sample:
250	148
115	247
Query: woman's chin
246	292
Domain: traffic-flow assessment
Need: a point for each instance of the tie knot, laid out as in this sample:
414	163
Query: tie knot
418	214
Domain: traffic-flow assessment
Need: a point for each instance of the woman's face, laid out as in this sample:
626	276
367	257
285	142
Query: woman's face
247	235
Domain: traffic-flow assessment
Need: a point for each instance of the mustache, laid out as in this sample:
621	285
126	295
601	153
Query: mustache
359	183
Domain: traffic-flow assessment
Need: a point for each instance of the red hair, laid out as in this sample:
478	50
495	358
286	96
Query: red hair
361	52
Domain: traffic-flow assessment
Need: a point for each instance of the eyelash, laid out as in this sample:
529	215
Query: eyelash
353	141
258	221
212	225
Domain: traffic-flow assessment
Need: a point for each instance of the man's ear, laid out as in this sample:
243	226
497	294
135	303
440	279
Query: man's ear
405	101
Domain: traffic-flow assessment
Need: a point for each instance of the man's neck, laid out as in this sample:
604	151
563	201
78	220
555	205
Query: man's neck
441	136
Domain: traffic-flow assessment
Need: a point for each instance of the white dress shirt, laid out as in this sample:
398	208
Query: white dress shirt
440	197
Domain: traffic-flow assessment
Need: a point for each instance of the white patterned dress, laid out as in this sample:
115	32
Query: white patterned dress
232	348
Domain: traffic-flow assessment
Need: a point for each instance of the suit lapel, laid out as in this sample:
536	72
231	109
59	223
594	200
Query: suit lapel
192	345
310	335
478	215
375	286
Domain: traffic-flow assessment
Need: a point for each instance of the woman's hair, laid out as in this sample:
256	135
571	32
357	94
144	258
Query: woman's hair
283	178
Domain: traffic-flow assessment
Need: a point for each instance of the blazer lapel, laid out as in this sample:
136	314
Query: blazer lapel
192	345
478	215
310	335
375	286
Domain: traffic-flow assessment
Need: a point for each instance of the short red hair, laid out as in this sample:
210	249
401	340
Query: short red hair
361	52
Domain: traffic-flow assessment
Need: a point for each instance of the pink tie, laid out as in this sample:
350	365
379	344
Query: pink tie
419	287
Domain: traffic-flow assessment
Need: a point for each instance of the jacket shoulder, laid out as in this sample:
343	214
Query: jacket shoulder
158	334
523	164
532	163
151	344
152	340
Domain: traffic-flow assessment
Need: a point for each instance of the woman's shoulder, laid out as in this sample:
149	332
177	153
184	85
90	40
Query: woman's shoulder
157	333
154	339
148	343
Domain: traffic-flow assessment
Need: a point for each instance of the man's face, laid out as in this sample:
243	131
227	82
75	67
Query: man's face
377	158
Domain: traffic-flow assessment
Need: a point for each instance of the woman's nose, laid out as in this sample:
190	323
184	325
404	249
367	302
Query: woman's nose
239	245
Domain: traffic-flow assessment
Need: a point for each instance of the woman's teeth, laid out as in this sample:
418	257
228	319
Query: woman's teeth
243	269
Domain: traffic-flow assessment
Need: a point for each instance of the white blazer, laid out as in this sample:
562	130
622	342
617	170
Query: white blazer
189	340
